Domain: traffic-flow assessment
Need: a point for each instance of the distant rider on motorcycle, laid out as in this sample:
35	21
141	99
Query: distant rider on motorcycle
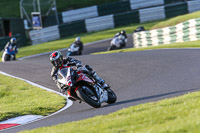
123	32
58	61
11	47
80	44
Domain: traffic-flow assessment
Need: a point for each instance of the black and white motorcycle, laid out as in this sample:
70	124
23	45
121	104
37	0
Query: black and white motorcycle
117	42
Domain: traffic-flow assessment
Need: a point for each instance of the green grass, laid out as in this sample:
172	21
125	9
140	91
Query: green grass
192	44
177	115
176	20
19	98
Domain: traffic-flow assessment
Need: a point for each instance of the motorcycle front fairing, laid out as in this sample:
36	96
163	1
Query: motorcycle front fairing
63	76
73	81
116	42
10	51
69	77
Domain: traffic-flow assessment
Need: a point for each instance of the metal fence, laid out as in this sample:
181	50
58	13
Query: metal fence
44	35
193	5
137	4
151	14
99	23
80	14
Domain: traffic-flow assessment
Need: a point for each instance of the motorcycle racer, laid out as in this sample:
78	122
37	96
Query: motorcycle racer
79	43
57	60
11	47
123	32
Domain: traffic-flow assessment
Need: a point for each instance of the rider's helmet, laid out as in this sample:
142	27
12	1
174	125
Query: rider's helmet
13	40
78	39
56	59
123	32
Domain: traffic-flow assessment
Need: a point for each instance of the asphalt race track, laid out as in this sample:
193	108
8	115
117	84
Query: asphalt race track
135	77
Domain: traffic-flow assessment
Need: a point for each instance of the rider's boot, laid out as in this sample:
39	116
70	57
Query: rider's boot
100	80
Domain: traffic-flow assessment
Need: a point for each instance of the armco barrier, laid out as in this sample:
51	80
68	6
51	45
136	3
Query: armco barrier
107	9
176	9
99	23
80	14
137	4
72	28
193	5
126	18
44	35
151	14
186	31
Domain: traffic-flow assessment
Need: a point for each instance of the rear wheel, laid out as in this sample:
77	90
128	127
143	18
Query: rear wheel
87	95
111	96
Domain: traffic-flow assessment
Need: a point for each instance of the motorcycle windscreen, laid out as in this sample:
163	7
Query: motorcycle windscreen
64	76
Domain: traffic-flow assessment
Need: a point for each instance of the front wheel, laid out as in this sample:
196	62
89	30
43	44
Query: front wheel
7	57
111	96
87	95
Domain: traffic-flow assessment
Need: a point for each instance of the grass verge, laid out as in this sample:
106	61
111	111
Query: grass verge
192	44
176	20
180	114
19	98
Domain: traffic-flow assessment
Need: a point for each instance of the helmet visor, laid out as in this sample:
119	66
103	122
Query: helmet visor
57	62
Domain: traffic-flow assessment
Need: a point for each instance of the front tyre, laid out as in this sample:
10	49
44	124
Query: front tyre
111	96
87	95
7	57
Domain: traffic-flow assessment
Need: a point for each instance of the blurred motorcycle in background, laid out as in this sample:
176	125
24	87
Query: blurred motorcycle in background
73	50
117	42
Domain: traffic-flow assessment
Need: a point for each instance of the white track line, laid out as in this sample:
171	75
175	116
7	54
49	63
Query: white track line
69	102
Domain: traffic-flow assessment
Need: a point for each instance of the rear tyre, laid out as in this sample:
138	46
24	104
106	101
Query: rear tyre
111	96
87	95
